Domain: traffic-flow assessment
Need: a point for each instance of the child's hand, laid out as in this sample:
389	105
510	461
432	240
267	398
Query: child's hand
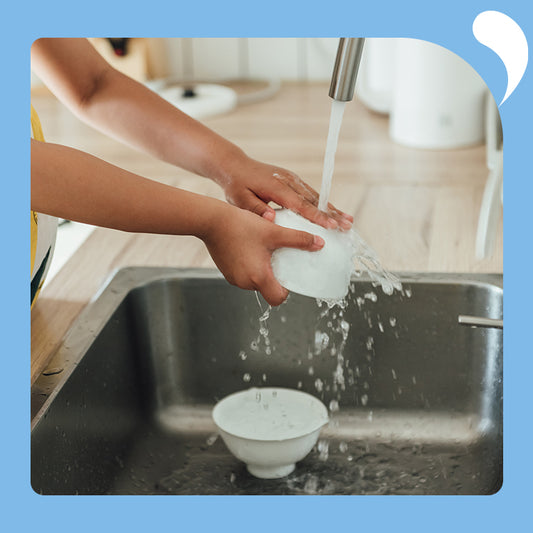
253	184
241	244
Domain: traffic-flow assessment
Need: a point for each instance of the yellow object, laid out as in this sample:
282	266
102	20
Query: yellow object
43	230
37	132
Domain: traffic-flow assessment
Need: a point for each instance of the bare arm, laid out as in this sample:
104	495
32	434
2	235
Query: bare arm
128	111
74	185
125	109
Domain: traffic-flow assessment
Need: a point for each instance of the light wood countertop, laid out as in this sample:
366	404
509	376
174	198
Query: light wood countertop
417	208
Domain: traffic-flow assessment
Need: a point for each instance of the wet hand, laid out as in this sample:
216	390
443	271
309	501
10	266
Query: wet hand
253	185
241	245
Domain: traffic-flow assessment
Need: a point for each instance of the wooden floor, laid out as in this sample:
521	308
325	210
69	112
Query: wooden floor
418	209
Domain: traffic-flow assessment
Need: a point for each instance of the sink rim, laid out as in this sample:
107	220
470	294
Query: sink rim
87	326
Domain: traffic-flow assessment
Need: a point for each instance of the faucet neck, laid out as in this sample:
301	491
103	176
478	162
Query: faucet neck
346	68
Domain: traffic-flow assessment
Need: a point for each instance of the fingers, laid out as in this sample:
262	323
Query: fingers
338	212
269	215
289	191
302	202
263	280
332	219
251	202
290	238
273	292
267	284
298	196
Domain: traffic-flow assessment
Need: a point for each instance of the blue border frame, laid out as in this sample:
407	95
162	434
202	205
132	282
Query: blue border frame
448	24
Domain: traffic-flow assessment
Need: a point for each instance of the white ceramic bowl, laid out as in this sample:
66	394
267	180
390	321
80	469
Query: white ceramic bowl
324	274
270	429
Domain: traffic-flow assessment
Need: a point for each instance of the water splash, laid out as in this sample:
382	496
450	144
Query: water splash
335	121
366	260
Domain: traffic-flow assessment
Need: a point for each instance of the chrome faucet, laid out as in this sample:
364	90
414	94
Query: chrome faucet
346	67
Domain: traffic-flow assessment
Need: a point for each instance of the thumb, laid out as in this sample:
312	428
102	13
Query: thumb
290	238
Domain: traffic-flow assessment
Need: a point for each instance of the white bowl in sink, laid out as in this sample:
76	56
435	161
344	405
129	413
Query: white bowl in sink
270	429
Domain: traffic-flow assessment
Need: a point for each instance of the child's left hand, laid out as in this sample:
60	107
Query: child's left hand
254	184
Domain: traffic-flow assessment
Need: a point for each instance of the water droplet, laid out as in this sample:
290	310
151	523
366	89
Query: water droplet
345	327
333	406
246	377
311	485
211	439
323	449
242	355
321	341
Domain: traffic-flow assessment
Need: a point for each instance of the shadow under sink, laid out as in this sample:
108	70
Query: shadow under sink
415	398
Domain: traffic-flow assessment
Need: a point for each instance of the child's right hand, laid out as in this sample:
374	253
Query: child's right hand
241	244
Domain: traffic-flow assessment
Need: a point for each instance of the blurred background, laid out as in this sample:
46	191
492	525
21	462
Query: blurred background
419	162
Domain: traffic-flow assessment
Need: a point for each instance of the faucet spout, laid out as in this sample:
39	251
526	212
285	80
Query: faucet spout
346	67
480	322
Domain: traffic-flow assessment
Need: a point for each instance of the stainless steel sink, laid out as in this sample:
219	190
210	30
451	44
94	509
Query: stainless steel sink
415	397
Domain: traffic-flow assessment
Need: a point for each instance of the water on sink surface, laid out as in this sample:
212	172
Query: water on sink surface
331	333
347	468
410	392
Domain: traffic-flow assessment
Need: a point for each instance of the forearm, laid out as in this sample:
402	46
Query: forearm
76	186
128	111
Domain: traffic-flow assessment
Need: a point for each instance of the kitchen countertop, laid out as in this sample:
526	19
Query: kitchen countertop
417	208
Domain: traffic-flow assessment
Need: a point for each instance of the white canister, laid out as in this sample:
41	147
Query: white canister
438	98
375	80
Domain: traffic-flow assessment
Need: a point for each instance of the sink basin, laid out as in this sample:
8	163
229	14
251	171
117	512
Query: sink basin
415	398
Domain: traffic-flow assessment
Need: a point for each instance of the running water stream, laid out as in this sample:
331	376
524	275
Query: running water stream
335	121
332	328
365	259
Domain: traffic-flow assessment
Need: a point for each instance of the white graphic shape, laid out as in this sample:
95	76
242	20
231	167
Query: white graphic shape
506	39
